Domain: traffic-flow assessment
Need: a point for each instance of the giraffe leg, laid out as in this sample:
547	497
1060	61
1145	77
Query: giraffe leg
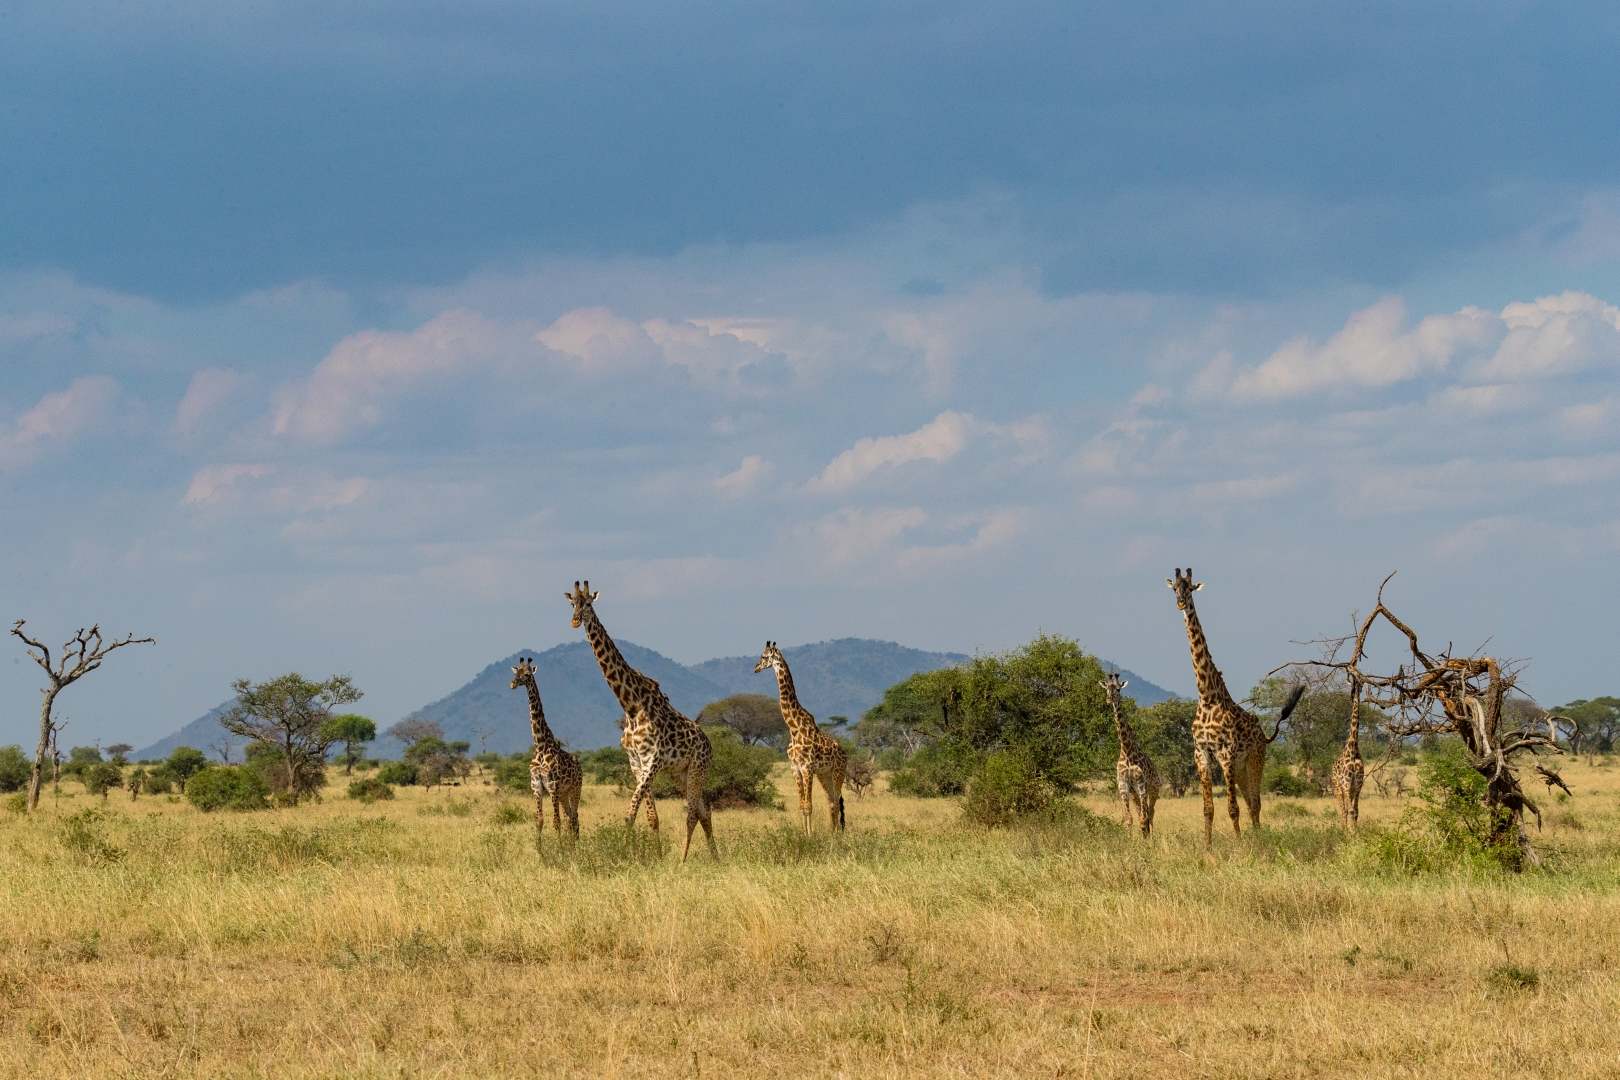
1125	797
1251	787
1148	801
556	812
571	808
697	810
1229	771
804	781
833	785
1201	759
643	789
652	812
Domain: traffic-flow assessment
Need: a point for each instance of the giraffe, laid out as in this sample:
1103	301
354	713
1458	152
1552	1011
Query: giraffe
812	753
657	738
1348	772
1138	779
1222	730
552	771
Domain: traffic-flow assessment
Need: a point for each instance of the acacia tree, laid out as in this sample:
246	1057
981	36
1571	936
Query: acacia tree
352	730
290	713
754	717
81	655
1463	695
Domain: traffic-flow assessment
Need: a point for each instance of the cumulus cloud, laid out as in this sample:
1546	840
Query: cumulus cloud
209	391
851	535
754	471
57	419
939	440
1375	348
348	389
990	530
600	338
212	480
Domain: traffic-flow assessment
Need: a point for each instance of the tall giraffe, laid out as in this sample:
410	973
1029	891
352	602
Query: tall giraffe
812	753
1222	729
552	771
1137	777
657	738
1348	771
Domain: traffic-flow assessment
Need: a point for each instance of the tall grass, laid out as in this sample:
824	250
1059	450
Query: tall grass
353	940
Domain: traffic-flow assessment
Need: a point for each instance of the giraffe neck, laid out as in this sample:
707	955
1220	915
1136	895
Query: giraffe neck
624	680
1127	737
1353	743
799	721
1211	686
537	717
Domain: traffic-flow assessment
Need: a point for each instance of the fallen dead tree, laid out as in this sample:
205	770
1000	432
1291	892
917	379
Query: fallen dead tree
1445	694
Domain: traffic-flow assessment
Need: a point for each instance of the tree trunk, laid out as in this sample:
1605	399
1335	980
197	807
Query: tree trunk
37	776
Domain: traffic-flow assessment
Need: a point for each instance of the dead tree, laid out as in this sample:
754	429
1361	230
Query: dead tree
81	655
1464	695
860	774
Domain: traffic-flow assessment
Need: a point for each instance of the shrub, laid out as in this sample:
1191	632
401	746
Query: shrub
510	813
102	777
227	787
397	772
609	765
889	759
512	772
370	789
739	775
15	769
935	771
1281	780
1008	787
184	762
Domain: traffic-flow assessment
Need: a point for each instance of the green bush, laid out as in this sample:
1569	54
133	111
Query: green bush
15	769
102	777
397	772
512	772
1281	780
370	789
1008	787
889	759
935	771
609	765
227	787
184	762
739	775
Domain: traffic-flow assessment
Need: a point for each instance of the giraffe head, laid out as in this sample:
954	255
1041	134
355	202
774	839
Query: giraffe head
771	657
523	674
1183	588
582	599
1112	687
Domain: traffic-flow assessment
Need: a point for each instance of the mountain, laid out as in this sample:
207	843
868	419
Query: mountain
845	677
580	708
199	735
832	678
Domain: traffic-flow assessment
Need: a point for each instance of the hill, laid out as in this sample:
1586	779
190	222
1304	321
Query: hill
200	734
832	678
580	708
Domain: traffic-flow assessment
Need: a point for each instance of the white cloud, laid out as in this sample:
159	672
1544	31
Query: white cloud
1374	349
851	535
348	389
754	471
1556	335
57	419
210	389
602	339
939	440
993	530
1246	489
211	481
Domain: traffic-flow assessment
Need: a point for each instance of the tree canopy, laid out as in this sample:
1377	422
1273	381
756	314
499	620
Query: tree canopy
290	713
352	730
754	718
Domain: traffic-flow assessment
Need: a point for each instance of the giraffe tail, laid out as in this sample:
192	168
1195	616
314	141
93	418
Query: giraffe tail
1287	710
840	812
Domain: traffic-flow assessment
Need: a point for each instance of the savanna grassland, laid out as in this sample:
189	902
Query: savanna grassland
427	937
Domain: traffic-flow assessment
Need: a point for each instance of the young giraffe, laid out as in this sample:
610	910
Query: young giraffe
1348	772
552	771
812	753
657	738
1222	729
1138	779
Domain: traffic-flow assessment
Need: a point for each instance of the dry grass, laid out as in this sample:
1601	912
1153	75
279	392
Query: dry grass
424	937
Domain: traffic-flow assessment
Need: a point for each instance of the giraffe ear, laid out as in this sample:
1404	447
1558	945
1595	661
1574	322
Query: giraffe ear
595	596
1124	684
1170	583
1198	586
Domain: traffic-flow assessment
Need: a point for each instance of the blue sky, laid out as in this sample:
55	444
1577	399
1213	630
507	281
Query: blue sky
343	338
